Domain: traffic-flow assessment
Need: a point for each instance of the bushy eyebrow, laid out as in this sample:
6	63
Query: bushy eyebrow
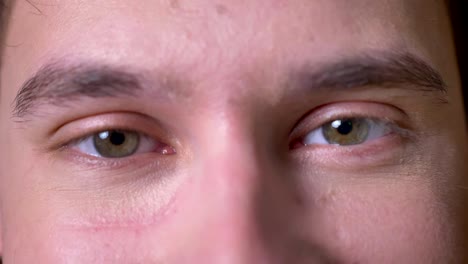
387	69
58	83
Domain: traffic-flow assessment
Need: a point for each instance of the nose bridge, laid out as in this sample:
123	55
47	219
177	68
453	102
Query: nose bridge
233	168
231	174
230	154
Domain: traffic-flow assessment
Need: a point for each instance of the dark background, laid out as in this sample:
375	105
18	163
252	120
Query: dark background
459	15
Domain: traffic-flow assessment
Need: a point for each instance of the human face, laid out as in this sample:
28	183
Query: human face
266	131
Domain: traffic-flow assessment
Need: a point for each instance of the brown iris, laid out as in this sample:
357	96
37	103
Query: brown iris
345	132
116	143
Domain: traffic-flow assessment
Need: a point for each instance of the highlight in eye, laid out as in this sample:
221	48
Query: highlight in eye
120	144
346	132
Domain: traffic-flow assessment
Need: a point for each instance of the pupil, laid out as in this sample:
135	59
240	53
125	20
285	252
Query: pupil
117	138
345	127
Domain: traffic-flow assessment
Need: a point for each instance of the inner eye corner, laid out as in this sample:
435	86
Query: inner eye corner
118	143
295	143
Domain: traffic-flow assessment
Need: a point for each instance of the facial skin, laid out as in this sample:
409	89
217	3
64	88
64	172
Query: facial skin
231	88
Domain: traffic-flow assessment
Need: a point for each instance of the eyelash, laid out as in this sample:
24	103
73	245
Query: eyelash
87	141
73	154
392	118
383	127
313	121
87	144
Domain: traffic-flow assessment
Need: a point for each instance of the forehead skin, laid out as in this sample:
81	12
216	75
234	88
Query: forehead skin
229	57
178	34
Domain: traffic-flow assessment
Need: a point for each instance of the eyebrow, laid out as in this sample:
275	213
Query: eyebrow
58	83
383	70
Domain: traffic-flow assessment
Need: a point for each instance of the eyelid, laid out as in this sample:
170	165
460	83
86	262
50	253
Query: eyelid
79	129
327	113
376	129
87	146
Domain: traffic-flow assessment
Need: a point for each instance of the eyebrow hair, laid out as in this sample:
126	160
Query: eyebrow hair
384	70
57	83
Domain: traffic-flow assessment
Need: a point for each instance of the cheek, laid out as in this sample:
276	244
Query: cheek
371	223
49	242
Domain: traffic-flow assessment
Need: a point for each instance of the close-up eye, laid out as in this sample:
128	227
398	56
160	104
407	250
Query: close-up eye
120	144
348	131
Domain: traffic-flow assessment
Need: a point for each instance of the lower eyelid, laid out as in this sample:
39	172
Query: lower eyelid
386	150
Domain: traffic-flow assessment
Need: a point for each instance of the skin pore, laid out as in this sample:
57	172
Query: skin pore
229	102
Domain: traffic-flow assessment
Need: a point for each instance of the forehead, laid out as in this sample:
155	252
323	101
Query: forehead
196	37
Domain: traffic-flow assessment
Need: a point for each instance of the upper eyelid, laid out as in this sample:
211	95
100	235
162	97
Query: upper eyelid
78	139
91	134
324	114
373	120
80	129
90	140
388	123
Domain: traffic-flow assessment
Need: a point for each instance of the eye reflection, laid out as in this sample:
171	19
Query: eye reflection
116	144
347	132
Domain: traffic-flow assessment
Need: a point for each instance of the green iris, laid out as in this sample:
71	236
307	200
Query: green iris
346	131
116	143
